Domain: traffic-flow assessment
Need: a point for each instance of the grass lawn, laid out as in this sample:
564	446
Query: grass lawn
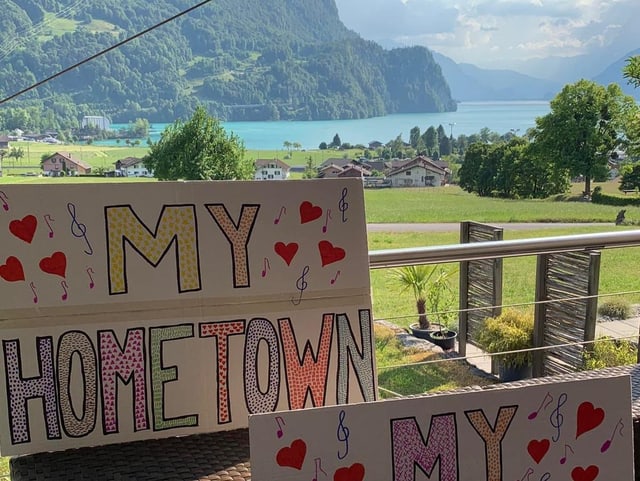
452	204
441	376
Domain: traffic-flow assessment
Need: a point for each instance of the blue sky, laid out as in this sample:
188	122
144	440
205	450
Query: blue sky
499	33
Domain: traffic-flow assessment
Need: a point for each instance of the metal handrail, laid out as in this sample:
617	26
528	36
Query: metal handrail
380	259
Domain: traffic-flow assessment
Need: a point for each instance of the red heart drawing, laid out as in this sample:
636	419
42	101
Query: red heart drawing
11	270
588	418
581	474
537	449
24	229
286	251
56	264
329	253
309	212
292	456
355	472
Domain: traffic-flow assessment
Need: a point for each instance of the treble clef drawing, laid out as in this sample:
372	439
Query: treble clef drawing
78	229
301	285
343	205
557	419
343	434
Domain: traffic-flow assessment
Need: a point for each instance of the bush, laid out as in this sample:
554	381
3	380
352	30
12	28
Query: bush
608	352
599	198
615	309
510	331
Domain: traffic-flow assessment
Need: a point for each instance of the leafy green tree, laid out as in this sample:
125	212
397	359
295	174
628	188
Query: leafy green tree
630	178
16	153
414	137
310	170
585	125
287	146
336	142
430	139
632	71
199	149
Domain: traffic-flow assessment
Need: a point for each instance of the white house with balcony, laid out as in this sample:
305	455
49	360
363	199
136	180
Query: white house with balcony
271	169
132	167
419	172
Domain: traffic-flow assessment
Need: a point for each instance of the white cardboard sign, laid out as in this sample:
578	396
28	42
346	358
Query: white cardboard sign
574	431
137	311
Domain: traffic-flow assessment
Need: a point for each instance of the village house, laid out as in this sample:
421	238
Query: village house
63	163
132	167
4	142
271	169
418	172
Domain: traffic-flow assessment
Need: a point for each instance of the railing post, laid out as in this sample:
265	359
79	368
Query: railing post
480	283
539	315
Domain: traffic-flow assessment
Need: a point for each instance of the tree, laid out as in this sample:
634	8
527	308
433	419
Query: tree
199	149
631	178
310	170
16	153
414	137
430	139
632	71
287	146
336	142
585	125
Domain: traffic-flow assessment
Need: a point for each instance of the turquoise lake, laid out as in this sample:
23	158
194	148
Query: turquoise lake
470	117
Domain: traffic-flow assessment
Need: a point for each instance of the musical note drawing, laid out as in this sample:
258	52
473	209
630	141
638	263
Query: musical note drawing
5	200
326	220
556	418
301	285
343	434
607	444
343	205
283	210
318	462
526	475
65	295
563	459
48	219
89	273
78	229
280	422
266	267
35	293
543	405
333	281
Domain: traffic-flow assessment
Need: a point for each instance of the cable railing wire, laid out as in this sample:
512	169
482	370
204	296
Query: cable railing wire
106	50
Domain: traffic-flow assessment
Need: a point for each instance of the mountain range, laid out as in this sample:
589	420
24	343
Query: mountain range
241	59
471	83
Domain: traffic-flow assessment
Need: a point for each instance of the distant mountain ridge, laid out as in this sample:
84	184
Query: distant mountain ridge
614	74
471	83
242	59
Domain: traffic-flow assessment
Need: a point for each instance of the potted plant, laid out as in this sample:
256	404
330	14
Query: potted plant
431	289
510	331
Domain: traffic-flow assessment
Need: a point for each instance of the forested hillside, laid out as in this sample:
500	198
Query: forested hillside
242	59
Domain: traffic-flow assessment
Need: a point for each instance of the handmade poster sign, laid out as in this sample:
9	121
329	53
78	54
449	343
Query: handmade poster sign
574	431
136	311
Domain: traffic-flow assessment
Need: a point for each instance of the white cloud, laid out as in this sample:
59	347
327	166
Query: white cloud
499	33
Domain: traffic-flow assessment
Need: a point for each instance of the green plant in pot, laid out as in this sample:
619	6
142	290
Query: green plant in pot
510	331
431	289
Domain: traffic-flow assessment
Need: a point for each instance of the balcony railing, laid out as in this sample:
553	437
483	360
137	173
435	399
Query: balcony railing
389	258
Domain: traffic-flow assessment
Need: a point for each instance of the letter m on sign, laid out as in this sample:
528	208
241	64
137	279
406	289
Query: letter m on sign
176	227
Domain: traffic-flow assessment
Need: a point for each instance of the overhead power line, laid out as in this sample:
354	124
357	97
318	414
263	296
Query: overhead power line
102	52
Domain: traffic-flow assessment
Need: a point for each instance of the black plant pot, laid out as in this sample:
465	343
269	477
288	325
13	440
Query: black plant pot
514	373
436	334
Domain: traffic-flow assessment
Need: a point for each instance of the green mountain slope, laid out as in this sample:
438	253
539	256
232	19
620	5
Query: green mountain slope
242	59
